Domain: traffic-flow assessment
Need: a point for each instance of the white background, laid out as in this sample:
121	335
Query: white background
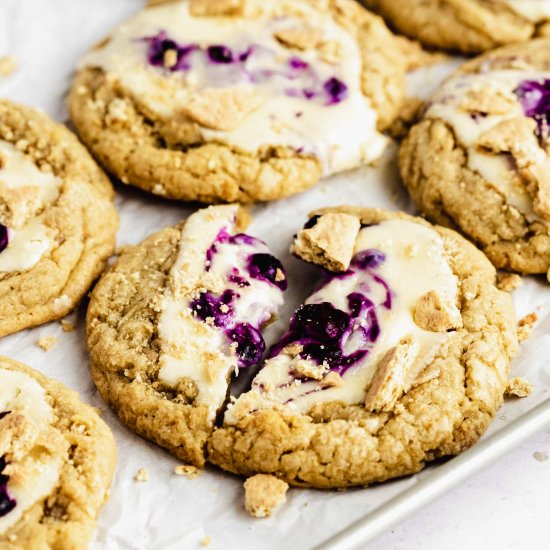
505	506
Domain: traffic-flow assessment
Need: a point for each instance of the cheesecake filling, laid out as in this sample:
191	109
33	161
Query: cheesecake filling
288	77
28	470
348	331
25	192
535	11
223	287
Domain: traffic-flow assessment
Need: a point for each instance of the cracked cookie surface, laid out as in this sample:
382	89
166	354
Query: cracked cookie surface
57	219
478	159
385	391
57	461
260	114
174	318
471	26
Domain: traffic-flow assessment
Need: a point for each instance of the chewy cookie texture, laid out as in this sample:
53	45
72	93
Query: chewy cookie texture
286	92
57	458
57	219
478	159
470	26
399	359
174	318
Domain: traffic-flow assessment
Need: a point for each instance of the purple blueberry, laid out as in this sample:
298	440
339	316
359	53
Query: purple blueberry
250	344
266	267
219	308
3	237
7	504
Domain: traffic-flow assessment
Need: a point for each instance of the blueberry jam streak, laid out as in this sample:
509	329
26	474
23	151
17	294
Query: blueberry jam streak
534	96
311	87
329	335
7	504
239	315
3	237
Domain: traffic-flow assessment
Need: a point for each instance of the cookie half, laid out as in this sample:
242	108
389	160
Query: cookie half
398	359
57	219
171	322
239	100
57	458
470	26
478	159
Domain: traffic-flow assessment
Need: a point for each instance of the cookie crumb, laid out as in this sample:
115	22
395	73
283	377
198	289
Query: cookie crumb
263	493
408	115
206	541
518	387
67	326
508	281
8	64
540	456
47	342
332	380
142	475
526	325
190	472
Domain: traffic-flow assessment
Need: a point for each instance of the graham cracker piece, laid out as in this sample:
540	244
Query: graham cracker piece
330	243
263	493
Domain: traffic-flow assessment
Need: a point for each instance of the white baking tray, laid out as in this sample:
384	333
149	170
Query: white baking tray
47	37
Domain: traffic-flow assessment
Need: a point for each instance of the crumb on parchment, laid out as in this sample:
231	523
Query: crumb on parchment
8	64
540	456
142	475
47	342
526	325
518	387
190	472
263	493
206	541
508	281
67	326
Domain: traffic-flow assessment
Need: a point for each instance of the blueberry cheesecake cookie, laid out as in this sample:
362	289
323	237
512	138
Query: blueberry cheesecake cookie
478	159
239	100
57	219
175	318
399	357
470	26
57	458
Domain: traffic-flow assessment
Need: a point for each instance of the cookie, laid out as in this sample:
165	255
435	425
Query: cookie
398	359
170	323
239	100
478	159
57	219
470	26
57	458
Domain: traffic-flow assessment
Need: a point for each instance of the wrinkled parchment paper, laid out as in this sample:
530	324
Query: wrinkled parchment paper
170	512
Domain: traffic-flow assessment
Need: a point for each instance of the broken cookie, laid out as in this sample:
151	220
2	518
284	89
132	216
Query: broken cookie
175	318
369	381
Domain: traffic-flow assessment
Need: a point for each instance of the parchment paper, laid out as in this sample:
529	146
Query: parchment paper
169	512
